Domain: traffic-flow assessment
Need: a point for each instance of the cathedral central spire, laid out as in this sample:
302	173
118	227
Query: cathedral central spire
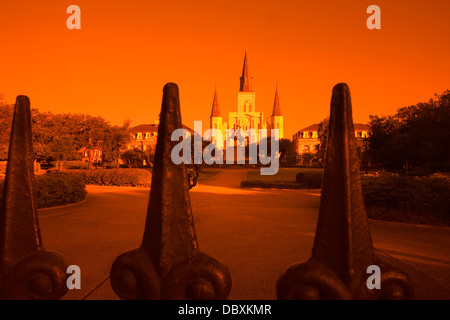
246	80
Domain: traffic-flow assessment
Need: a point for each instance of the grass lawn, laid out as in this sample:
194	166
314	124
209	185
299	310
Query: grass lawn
283	174
208	173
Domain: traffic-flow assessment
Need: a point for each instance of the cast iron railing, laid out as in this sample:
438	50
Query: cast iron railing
168	264
27	271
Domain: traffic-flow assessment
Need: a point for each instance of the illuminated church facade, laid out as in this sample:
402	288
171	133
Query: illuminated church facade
246	117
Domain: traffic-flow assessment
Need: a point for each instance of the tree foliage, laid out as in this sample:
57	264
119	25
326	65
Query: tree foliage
63	149
415	135
322	133
6	116
58	137
136	157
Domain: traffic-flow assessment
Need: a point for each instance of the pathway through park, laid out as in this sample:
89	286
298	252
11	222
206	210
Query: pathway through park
256	233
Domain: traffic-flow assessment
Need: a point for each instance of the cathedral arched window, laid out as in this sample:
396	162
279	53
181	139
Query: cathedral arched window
139	135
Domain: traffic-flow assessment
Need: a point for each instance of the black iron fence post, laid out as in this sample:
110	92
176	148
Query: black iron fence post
342	250
27	271
168	264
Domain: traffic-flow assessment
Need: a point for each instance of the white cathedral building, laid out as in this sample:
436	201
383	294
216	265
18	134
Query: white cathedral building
246	116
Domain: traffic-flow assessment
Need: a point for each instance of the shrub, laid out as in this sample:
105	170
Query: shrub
3	165
56	189
127	177
71	165
310	179
271	184
425	197
439	166
115	177
111	165
193	174
76	165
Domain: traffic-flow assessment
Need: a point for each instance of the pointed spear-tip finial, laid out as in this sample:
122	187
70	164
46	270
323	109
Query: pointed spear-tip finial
168	265
348	248
342	250
27	271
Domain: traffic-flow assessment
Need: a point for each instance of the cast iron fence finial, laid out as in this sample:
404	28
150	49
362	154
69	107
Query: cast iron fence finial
27	271
168	264
342	250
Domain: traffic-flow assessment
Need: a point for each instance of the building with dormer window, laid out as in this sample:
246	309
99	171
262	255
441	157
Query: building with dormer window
144	136
307	139
247	117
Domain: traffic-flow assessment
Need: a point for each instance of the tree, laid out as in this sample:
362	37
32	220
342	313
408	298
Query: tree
415	135
322	133
149	156
6	117
381	130
44	130
50	132
287	148
115	139
307	157
134	157
63	149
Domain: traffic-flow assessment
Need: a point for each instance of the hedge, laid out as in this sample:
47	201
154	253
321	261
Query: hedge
56	190
114	177
111	165
310	179
270	184
72	164
422	200
439	166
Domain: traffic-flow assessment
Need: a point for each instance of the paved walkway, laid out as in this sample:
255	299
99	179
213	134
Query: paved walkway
255	233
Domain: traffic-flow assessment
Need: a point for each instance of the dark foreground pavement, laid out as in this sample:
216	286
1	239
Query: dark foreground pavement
255	233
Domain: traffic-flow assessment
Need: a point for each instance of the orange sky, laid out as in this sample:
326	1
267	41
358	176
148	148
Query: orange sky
118	63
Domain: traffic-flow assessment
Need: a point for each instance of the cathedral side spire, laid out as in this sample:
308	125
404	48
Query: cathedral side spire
276	105
277	116
246	80
215	112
